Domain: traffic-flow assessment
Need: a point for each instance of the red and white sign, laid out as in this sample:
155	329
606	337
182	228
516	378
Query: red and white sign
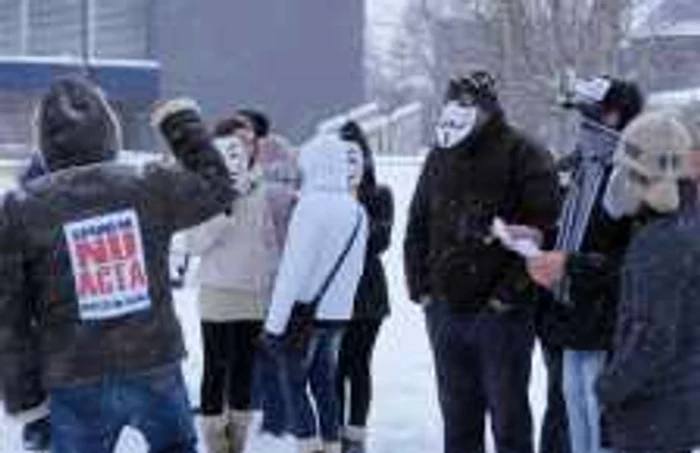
109	265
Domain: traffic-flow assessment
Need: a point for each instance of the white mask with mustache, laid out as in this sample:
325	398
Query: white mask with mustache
455	124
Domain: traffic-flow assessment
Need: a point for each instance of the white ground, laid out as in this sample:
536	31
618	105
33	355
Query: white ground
405	416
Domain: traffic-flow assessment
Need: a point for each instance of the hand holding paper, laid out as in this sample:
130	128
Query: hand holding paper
521	239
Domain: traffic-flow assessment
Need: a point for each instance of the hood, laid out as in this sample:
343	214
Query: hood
75	125
330	164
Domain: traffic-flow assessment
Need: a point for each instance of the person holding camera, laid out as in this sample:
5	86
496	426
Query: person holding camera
476	295
91	240
582	326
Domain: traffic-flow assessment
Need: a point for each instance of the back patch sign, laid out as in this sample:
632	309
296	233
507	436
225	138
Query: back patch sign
109	265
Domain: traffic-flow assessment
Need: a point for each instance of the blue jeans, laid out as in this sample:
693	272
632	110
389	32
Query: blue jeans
88	418
581	370
315	368
272	402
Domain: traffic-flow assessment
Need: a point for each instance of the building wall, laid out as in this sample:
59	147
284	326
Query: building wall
664	63
299	61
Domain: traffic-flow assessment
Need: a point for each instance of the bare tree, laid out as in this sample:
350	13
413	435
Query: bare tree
527	44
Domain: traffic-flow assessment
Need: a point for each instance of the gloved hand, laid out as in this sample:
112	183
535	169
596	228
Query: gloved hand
271	344
182	127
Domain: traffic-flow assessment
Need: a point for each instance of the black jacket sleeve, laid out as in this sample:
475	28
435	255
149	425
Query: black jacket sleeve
20	370
381	221
202	186
606	242
538	199
417	241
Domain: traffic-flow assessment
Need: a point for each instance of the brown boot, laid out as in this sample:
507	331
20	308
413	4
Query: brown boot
309	445
239	421
214	431
354	438
332	447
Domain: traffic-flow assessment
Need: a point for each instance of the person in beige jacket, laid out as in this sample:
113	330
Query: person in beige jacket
239	254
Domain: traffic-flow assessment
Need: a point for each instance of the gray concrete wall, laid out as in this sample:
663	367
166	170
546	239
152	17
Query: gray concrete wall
298	60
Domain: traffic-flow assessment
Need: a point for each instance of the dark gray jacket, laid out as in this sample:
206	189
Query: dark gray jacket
650	390
84	260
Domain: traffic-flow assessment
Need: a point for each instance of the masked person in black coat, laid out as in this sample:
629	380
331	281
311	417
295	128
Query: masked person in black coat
476	295
371	301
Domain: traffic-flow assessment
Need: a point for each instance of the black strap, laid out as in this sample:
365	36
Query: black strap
336	267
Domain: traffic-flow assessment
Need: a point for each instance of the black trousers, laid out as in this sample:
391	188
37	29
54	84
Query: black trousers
482	365
554	437
229	357
354	370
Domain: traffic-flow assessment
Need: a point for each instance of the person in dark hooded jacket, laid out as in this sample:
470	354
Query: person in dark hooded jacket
649	388
476	295
371	301
91	240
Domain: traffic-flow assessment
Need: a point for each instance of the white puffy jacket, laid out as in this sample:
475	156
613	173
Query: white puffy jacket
321	226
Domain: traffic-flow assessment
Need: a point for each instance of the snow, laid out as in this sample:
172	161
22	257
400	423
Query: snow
405	416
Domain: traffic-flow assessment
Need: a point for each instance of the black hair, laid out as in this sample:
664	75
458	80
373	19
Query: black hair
352	132
260	122
228	126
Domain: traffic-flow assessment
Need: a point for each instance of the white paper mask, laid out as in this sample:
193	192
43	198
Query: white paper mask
235	157
455	124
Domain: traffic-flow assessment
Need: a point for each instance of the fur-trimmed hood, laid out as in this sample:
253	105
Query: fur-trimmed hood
75	125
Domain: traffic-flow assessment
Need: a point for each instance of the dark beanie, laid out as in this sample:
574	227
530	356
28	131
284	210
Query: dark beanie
480	86
75	125
260	122
625	97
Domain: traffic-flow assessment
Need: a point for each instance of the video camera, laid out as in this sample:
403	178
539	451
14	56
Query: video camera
584	95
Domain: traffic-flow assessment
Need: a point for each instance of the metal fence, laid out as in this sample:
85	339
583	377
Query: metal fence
397	132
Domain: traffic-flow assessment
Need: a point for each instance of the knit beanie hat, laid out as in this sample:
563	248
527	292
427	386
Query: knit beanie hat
75	125
478	86
650	161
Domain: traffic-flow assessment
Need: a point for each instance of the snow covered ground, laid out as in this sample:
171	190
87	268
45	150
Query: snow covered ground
405	416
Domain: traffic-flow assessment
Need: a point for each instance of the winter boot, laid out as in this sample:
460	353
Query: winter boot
354	439
215	433
332	447
239	421
309	445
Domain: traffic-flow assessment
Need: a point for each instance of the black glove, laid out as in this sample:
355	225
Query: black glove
271	344
182	126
